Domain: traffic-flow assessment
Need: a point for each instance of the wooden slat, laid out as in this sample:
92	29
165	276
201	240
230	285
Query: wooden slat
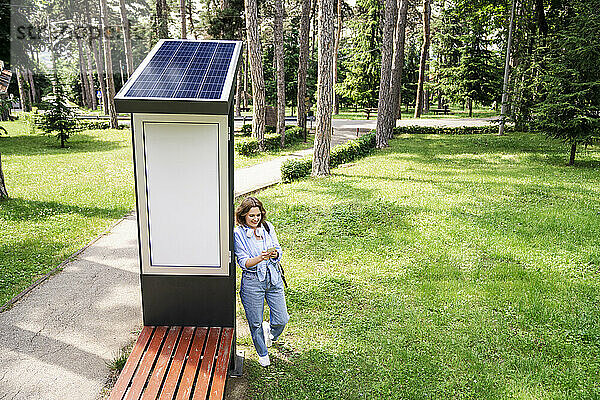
168	390
220	375
160	368
131	364
208	361
139	380
191	366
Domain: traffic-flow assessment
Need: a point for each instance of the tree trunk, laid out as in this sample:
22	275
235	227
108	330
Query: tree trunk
246	71
126	38
258	82
424	53
338	36
320	166
110	83
3	192
470	104
162	14
238	94
191	20
506	70
23	90
398	61
303	62
314	28
182	14
572	154
34	97
385	112
85	86
98	60
426	94
90	71
278	35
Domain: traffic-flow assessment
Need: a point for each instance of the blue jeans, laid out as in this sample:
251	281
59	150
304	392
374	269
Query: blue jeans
253	294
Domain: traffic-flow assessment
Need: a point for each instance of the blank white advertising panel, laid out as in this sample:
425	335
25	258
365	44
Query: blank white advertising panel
182	189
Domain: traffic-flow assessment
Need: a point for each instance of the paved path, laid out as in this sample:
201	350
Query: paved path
56	341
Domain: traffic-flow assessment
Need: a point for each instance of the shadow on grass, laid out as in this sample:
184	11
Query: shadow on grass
23	262
17	209
48	145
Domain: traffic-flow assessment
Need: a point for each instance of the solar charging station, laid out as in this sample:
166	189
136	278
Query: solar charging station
181	101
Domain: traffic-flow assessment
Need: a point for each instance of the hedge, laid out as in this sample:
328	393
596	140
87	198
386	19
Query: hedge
272	141
459	130
295	169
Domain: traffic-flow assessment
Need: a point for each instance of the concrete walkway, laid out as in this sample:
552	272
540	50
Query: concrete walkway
56	341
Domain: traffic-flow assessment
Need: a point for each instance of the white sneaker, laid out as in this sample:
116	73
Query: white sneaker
264	361
267	333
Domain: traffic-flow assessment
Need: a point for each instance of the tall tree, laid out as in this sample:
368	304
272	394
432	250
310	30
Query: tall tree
506	70
162	19
362	56
569	106
126	38
23	89
280	67
83	76
336	48
182	18
424	53
110	83
385	111
98	59
258	81
322	148
398	61
303	62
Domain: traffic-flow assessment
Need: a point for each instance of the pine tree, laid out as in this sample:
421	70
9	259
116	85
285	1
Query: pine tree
570	79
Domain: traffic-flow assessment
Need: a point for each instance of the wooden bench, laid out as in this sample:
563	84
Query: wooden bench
176	363
437	111
370	111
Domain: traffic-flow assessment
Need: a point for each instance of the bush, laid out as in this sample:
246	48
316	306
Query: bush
459	130
295	169
249	146
246	146
246	130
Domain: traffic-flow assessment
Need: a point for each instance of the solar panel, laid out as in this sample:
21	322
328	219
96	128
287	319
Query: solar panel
184	70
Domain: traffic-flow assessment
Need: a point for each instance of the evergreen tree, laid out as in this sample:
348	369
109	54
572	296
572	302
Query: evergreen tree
362	56
570	81
59	119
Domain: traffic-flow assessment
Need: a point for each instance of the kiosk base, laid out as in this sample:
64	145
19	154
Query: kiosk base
188	300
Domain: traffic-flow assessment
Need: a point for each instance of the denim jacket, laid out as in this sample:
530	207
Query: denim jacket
247	246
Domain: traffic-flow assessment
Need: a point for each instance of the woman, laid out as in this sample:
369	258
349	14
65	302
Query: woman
258	253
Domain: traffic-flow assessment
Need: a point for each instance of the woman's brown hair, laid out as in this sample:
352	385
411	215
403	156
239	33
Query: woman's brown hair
244	208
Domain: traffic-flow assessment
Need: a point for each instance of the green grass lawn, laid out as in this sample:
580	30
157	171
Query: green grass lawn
60	198
445	267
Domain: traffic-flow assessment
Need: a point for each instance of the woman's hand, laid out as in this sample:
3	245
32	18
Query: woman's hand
265	255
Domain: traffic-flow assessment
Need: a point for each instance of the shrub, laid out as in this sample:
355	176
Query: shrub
246	130
295	169
343	153
246	146
249	146
293	134
435	130
272	142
